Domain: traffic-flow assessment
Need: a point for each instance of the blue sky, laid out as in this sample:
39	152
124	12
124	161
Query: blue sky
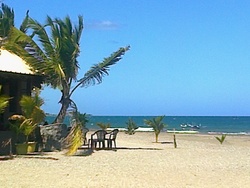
186	57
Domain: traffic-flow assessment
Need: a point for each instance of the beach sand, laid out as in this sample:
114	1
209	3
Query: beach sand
199	161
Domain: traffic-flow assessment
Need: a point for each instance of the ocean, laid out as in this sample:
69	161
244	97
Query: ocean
207	124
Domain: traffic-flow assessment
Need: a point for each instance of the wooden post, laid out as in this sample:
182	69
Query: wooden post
175	144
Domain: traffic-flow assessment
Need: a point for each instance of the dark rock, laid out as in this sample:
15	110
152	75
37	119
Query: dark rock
53	136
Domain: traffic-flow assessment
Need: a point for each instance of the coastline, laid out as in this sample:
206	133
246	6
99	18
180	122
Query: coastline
215	124
198	161
180	131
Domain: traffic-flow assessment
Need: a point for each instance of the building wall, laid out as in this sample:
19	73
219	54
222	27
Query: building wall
14	86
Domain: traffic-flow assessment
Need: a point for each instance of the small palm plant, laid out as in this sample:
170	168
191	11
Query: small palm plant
32	114
131	127
103	126
157	125
221	139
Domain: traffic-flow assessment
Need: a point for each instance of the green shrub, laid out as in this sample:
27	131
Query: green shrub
131	127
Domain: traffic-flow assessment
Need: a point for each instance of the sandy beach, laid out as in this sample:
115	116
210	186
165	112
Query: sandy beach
199	161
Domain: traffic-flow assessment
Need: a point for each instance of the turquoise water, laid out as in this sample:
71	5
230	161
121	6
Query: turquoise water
218	124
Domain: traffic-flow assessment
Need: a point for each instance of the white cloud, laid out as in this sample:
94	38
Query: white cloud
102	25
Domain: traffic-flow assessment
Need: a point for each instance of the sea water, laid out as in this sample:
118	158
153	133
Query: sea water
207	124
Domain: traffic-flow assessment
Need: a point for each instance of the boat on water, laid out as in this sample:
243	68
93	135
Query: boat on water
183	131
190	126
139	129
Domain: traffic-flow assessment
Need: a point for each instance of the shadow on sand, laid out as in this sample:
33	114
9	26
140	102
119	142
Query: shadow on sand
89	151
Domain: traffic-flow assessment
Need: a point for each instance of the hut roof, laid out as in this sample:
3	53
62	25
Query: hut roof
10	62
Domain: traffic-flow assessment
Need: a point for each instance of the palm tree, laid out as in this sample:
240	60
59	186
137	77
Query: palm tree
55	55
131	127
157	125
59	58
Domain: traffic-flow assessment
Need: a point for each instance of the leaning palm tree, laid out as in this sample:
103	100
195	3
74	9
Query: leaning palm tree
157	125
52	50
59	54
56	56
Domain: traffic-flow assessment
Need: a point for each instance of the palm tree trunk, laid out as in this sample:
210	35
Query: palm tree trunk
63	111
156	137
65	102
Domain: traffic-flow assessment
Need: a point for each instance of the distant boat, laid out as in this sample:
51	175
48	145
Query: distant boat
190	126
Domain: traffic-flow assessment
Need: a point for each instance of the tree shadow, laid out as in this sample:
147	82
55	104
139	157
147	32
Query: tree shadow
136	148
166	142
88	151
84	152
127	148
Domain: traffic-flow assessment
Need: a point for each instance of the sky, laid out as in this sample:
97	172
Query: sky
187	57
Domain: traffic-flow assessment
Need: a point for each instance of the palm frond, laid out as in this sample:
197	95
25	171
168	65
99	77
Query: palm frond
61	49
74	138
69	47
7	12
40	32
38	115
24	24
78	29
4	102
27	126
6	20
17	42
31	106
43	60
27	104
95	74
